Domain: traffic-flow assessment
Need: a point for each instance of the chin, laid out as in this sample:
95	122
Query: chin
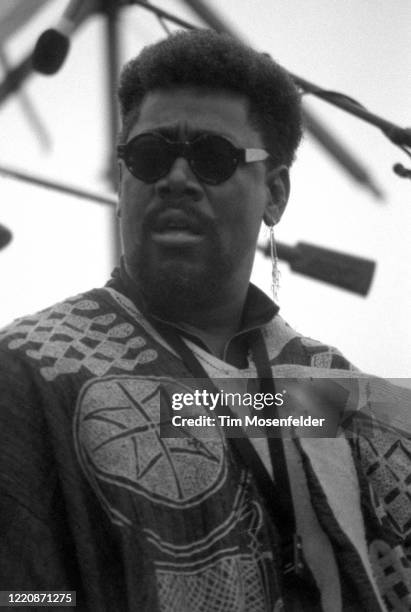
176	282
177	288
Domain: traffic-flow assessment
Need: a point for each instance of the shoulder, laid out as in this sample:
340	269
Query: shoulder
285	346
35	350
44	334
74	312
92	333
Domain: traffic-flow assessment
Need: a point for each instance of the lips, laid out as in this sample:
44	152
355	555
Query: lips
176	220
176	228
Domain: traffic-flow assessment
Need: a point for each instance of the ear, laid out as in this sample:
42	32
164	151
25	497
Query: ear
119	190
278	184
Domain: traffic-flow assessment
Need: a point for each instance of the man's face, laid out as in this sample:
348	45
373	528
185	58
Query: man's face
185	241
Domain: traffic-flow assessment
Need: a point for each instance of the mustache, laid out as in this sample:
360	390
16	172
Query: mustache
193	216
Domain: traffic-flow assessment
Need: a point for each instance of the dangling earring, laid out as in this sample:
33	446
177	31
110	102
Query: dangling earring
275	272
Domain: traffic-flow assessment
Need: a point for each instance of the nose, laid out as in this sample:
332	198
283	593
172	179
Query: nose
180	181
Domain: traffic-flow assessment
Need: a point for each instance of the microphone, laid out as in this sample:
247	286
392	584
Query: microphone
53	45
5	236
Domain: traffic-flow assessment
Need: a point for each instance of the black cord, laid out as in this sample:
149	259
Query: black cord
330	95
406	151
335	96
161	22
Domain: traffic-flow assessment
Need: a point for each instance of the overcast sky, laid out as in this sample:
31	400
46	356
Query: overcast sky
62	245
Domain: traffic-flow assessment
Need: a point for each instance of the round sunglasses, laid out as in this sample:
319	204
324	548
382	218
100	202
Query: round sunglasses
213	159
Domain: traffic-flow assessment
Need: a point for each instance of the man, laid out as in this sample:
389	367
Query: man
96	496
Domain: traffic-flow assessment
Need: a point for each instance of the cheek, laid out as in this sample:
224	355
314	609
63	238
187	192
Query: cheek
133	200
240	212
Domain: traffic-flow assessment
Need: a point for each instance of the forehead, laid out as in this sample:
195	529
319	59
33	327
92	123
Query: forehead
184	112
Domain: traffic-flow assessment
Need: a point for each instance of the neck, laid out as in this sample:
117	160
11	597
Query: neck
214	323
217	324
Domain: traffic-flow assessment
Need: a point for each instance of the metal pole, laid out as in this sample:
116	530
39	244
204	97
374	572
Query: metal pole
110	9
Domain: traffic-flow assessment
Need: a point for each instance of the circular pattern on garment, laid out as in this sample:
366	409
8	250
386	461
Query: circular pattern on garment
117	437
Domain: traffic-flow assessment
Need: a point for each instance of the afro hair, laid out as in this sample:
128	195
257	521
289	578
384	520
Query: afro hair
210	60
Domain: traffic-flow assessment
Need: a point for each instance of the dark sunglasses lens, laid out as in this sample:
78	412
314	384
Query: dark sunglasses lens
213	158
148	157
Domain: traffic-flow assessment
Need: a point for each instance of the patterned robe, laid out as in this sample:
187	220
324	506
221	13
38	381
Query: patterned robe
94	499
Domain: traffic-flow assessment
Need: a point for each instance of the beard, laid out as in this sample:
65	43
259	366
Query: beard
183	281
